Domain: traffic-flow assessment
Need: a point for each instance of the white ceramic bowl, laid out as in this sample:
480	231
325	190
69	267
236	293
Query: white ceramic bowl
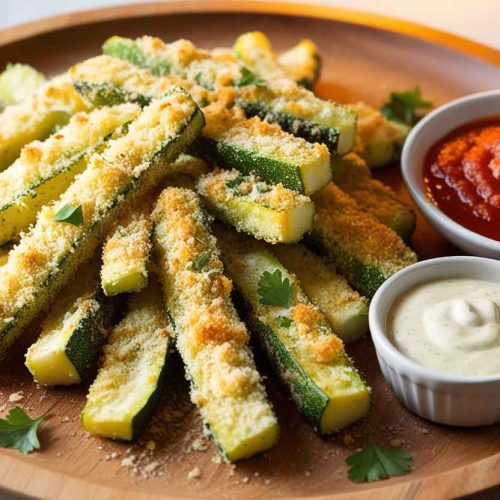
442	397
432	128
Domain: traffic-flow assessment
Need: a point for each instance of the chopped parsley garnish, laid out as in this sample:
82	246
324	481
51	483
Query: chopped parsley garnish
248	78
375	462
70	214
200	262
402	106
234	183
274	290
284	321
20	431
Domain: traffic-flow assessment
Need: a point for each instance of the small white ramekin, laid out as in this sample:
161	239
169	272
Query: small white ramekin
438	396
432	128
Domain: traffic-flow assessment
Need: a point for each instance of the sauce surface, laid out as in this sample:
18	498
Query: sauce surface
449	325
462	176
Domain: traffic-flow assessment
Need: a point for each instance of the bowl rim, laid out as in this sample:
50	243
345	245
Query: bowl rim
426	205
391	354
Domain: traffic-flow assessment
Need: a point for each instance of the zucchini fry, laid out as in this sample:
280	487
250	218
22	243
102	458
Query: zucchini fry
255	146
295	109
363	249
272	213
35	118
378	140
125	254
308	356
345	309
228	138
351	174
46	169
211	339
302	63
73	333
51	251
124	394
18	82
255	52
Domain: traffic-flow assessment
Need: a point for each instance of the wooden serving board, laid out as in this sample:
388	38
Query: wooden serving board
361	62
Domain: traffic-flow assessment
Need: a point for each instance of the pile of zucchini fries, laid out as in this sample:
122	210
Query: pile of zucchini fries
166	174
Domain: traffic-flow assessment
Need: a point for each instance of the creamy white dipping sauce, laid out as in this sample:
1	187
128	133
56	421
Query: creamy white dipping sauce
449	325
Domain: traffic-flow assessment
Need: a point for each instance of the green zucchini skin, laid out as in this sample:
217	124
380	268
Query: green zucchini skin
364	278
89	335
306	129
104	94
309	398
143	417
248	162
128	50
339	232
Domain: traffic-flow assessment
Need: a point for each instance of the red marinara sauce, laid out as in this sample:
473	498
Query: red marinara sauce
462	176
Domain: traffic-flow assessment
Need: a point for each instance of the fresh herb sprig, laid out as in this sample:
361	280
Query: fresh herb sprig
19	431
403	107
284	321
234	183
70	214
200	262
248	78
375	462
274	290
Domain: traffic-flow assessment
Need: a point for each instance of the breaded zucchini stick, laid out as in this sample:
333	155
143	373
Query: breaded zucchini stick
351	174
302	63
122	398
73	332
125	253
363	249
35	118
211	339
308	356
269	212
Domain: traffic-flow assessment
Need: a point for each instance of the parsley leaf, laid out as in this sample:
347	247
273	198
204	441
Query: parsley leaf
374	463
20	431
200	262
248	78
284	321
70	214
274	290
402	106
234	183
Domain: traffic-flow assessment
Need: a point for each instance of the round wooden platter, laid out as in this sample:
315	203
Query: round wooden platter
361	62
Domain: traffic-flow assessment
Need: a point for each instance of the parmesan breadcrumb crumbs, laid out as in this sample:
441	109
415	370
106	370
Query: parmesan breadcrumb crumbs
222	186
351	174
126	252
100	77
348	232
16	396
194	473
